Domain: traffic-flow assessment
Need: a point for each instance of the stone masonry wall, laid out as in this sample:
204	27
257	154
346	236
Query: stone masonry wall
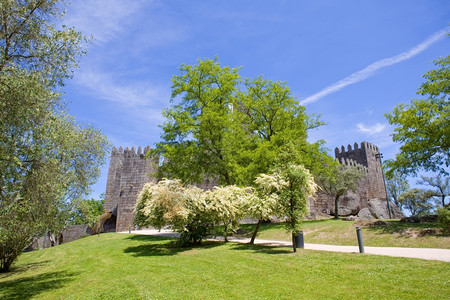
128	173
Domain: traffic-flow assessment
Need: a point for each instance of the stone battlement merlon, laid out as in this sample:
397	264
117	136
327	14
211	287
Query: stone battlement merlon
129	152
364	145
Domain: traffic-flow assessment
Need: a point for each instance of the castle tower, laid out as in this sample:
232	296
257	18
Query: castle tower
127	175
367	155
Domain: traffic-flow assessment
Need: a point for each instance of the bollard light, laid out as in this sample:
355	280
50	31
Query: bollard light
360	240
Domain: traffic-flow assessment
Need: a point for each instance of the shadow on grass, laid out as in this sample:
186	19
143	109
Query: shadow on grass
162	246
249	228
261	248
29	287
150	238
24	268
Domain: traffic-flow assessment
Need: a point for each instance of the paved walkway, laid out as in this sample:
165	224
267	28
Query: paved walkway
422	253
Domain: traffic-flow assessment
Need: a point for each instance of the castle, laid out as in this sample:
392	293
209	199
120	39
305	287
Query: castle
129	171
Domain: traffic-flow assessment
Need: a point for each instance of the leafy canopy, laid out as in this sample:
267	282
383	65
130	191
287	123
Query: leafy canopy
422	127
228	129
47	159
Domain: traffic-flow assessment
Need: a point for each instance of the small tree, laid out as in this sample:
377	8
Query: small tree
416	201
441	187
396	184
291	186
266	202
342	180
444	218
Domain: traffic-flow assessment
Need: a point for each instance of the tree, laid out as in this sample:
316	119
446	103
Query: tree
218	129
344	179
441	187
87	211
422	126
291	185
46	158
416	201
396	184
198	130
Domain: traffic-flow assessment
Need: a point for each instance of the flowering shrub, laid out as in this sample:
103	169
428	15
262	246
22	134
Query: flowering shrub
284	193
190	211
228	205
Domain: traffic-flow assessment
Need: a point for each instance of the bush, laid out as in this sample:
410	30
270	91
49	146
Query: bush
444	218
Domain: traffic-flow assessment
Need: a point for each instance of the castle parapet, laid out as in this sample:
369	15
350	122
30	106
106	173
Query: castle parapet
127	152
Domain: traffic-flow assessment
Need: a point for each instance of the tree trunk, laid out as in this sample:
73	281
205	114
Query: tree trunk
336	207
294	242
252	240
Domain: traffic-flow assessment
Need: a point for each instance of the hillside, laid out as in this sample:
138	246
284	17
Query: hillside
387	233
127	266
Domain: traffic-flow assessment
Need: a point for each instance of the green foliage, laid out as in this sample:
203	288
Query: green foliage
46	158
285	193
396	184
87	211
422	126
444	218
199	129
342	180
417	201
441	187
229	132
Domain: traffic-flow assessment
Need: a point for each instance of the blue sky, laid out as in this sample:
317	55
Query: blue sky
349	61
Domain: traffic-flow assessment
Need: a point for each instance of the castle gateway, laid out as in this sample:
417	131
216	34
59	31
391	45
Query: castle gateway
129	171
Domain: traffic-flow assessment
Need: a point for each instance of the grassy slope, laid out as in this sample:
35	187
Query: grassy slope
113	266
338	232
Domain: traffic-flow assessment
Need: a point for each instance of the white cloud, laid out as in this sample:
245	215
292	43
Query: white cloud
104	19
374	129
110	87
370	69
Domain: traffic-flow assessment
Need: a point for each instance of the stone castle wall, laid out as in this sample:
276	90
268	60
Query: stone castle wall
129	171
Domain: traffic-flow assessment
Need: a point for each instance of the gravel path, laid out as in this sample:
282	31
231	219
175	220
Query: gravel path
422	253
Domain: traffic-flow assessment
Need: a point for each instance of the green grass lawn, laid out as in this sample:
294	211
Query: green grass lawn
339	232
126	266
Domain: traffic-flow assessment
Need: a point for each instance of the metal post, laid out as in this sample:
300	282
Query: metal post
129	229
299	240
380	155
360	241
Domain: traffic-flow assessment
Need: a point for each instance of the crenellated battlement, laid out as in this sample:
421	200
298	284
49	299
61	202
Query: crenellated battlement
127	152
364	146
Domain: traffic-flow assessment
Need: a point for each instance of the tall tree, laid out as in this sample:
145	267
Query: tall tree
441	187
344	179
199	127
422	126
46	158
219	129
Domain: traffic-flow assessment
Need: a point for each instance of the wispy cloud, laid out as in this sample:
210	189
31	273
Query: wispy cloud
110	87
370	69
104	19
374	129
